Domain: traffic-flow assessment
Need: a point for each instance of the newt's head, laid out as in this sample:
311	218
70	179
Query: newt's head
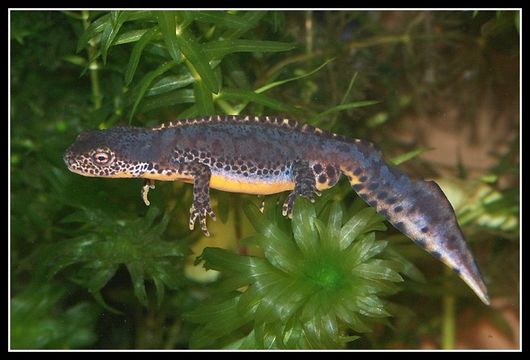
116	152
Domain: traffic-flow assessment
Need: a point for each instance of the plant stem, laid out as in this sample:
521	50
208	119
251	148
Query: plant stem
93	68
448	321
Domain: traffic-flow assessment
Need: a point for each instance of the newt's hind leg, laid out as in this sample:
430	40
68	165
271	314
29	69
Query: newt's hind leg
305	185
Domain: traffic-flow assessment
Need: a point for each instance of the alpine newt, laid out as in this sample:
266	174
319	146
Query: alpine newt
268	155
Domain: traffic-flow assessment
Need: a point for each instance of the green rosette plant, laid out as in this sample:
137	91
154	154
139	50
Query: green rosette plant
319	285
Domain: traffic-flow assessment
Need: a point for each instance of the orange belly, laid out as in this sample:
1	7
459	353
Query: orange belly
249	187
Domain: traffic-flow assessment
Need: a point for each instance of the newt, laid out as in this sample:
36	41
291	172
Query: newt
268	155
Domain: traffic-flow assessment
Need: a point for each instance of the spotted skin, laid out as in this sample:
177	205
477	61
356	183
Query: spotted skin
268	155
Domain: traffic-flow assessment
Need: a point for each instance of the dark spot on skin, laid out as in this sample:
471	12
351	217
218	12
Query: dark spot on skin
357	171
436	254
400	226
424	229
383	212
317	168
456	270
194	152
363	178
343	148
218	165
243	167
150	167
382	195
372	203
373	186
330	171
398	208
412	210
227	168
265	172
322	179
258	172
391	201
156	167
420	242
276	172
358	187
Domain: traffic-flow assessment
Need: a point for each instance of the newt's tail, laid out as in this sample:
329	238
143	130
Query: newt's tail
419	209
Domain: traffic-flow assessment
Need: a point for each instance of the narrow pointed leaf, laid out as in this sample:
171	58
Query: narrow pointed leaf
203	98
219	18
364	221
165	100
111	31
251	96
269	86
218	49
304	230
169	83
167	24
146	82
250	20
130	36
137	53
408	156
93	29
198	60
136	272
348	106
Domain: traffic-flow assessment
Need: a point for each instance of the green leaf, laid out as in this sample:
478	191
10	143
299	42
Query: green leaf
111	31
269	86
167	24
408	156
165	100
334	222
223	260
130	36
198	60
218	49
93	29
137	53
341	107
218	18
170	83
136	270
44	317
378	269
304	230
364	221
250	20
278	248
146	82
203	98
251	96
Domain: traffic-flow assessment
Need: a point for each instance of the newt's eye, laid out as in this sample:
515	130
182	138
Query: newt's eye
102	157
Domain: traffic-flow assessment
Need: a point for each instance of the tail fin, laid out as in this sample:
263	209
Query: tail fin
419	209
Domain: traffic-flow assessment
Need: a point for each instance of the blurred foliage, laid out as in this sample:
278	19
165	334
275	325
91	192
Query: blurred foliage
92	267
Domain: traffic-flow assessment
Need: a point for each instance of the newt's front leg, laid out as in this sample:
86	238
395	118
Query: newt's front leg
201	195
200	174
